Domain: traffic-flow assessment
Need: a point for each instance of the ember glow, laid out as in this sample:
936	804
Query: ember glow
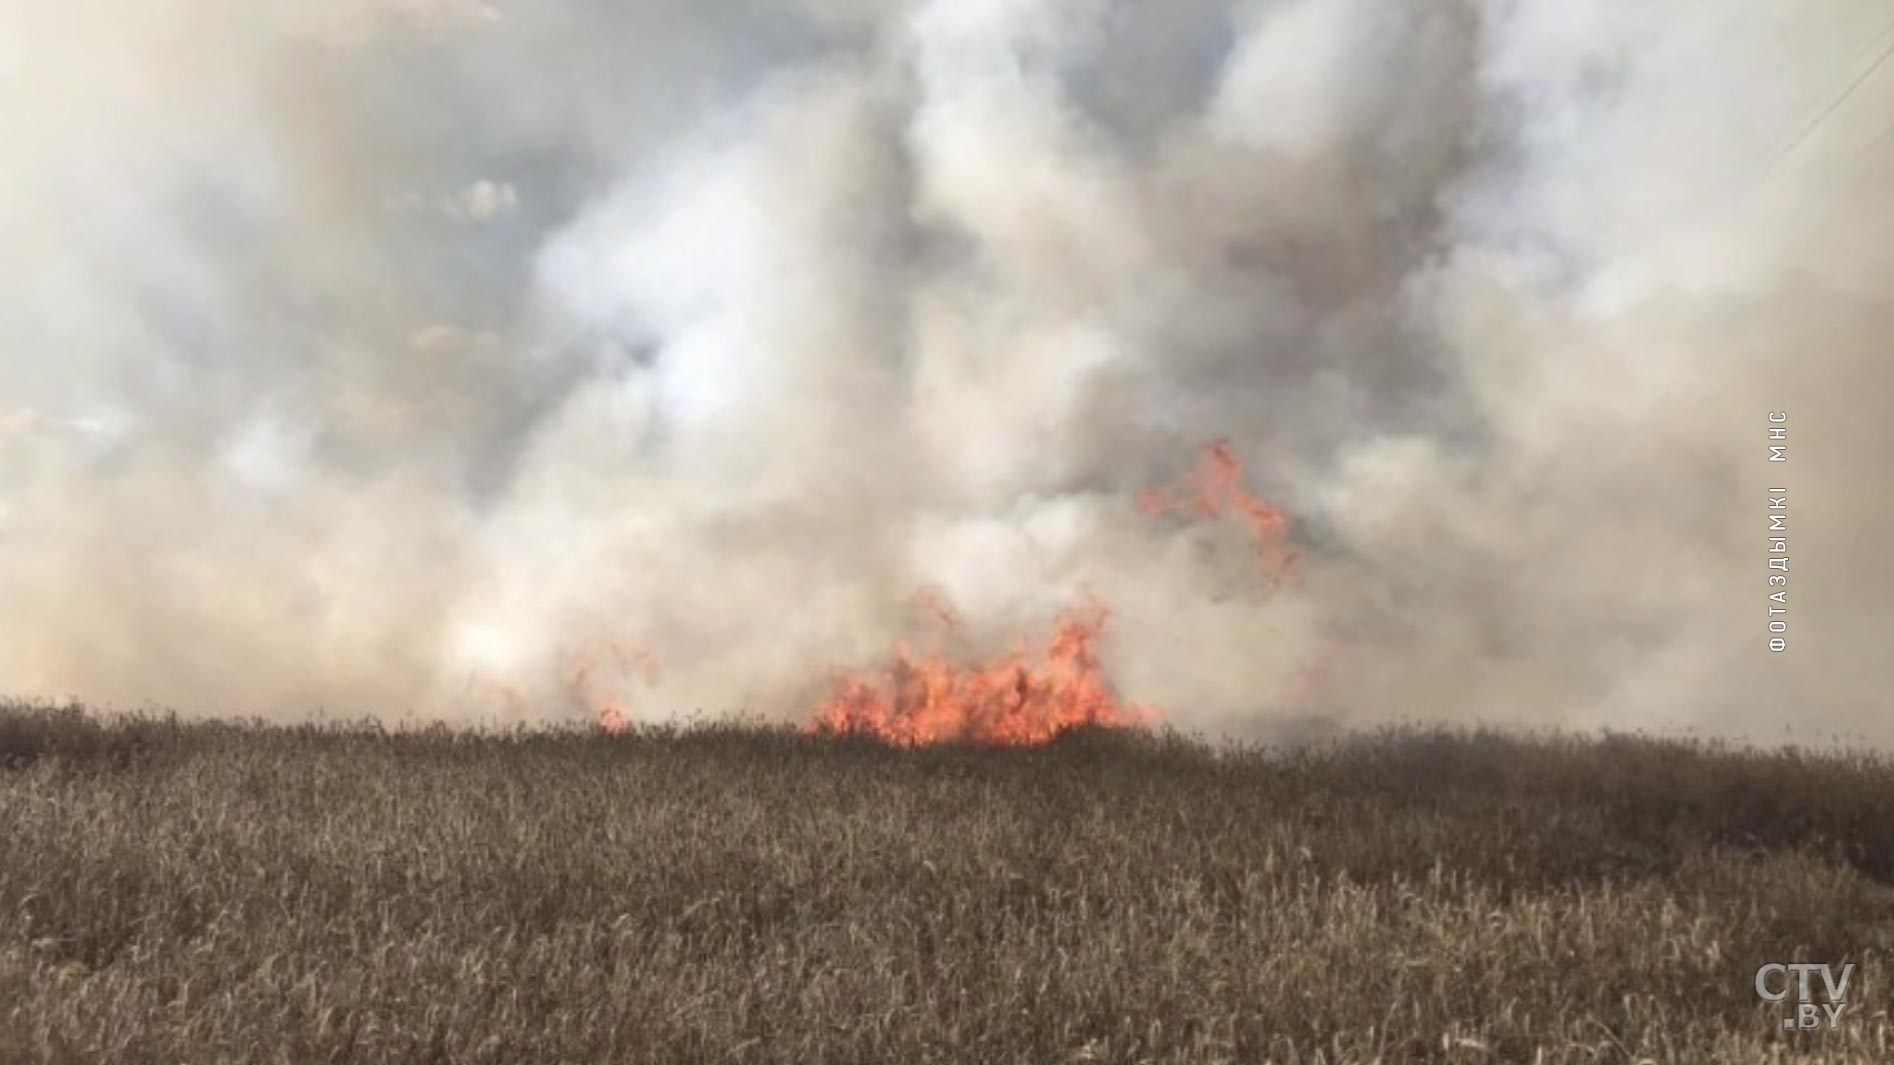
1027	697
612	719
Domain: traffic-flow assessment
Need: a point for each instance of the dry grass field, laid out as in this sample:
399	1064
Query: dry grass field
202	893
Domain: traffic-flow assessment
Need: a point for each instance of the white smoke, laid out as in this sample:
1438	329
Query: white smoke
769	320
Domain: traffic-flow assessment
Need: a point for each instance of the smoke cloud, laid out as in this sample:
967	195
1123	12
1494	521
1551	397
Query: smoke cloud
479	360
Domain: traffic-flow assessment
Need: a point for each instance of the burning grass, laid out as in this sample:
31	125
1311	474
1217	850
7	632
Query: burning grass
239	893
1031	696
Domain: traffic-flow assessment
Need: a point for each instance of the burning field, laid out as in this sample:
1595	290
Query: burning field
908	531
940	690
1220	363
252	893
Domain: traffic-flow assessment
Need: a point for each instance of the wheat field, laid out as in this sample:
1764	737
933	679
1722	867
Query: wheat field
179	892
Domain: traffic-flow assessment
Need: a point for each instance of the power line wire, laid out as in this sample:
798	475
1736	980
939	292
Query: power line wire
1835	104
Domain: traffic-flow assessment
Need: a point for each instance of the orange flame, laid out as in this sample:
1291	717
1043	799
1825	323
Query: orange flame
1215	489
1027	697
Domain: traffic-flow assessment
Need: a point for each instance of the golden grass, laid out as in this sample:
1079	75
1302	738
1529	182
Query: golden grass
210	893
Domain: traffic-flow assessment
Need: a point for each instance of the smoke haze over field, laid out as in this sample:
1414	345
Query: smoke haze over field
398	354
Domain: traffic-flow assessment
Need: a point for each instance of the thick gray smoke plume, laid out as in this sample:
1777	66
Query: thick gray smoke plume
466	358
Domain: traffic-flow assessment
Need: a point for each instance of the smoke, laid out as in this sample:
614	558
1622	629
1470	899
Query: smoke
448	357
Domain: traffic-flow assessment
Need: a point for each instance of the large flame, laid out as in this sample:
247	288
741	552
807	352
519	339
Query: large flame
1027	697
1038	692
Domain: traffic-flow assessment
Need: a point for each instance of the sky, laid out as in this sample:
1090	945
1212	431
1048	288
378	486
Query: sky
482	360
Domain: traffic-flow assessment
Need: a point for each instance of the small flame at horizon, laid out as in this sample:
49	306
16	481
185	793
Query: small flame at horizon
612	713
